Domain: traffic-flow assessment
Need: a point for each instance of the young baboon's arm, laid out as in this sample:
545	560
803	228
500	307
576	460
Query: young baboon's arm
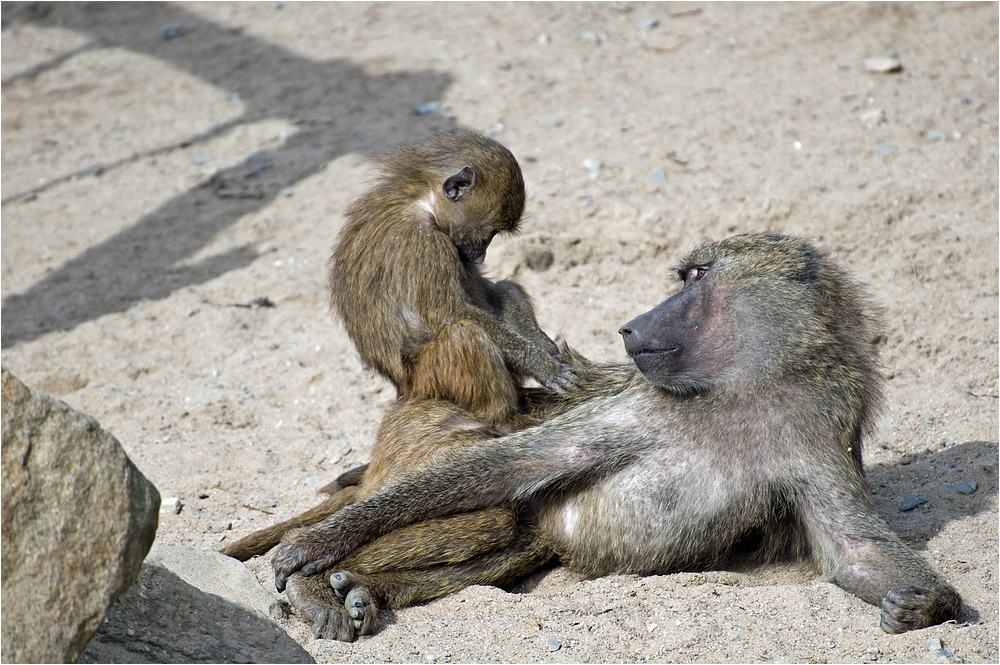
518	313
549	456
524	356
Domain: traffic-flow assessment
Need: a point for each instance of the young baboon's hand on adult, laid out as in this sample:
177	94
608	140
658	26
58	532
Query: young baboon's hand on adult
913	607
562	378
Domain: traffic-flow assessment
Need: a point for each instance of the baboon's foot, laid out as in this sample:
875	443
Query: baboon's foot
357	601
914	607
315	599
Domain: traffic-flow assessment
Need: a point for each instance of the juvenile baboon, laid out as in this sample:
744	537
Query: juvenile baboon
740	435
405	282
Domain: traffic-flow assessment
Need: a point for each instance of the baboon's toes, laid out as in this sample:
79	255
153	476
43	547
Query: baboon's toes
362	609
329	620
341	583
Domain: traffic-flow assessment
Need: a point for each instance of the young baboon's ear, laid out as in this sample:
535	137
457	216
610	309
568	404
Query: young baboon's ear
460	184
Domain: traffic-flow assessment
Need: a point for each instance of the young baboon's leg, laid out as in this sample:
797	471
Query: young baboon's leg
259	542
462	364
364	594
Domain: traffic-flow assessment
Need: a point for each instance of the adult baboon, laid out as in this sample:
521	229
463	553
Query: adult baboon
742	436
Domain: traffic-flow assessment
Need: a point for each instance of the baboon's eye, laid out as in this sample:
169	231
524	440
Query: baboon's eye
695	273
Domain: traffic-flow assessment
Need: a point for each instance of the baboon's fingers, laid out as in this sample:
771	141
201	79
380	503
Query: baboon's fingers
301	557
563	380
904	609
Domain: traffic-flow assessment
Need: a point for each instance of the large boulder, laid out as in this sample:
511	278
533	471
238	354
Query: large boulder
191	606
78	519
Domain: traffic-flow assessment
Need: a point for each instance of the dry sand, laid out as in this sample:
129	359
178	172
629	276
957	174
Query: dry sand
163	165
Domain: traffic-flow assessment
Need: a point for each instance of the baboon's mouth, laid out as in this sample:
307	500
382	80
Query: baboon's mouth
655	352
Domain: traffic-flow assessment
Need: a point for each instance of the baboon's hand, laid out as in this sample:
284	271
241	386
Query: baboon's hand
561	378
300	553
912	607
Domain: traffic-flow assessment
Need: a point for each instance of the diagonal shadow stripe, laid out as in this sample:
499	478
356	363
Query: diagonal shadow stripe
338	108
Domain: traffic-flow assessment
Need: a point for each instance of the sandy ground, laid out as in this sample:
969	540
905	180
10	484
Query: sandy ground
163	165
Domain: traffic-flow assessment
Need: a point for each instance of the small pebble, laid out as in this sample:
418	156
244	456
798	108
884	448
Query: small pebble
934	644
172	32
287	191
912	503
553	645
30	196
260	301
873	117
884	65
658	176
961	101
935	135
885	148
203	158
429	107
593	165
171	505
273	503
648	24
964	488
557	123
873	653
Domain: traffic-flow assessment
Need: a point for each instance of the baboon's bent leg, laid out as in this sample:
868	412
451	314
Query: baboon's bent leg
365	594
462	364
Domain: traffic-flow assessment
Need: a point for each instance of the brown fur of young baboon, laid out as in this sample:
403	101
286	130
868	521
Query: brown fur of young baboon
739	438
405	280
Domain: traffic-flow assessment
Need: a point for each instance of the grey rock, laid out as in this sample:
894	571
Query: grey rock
553	645
934	644
194	607
78	519
217	574
885	148
964	488
912	502
935	135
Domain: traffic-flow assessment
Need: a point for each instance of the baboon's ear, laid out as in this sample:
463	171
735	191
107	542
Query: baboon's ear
460	184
